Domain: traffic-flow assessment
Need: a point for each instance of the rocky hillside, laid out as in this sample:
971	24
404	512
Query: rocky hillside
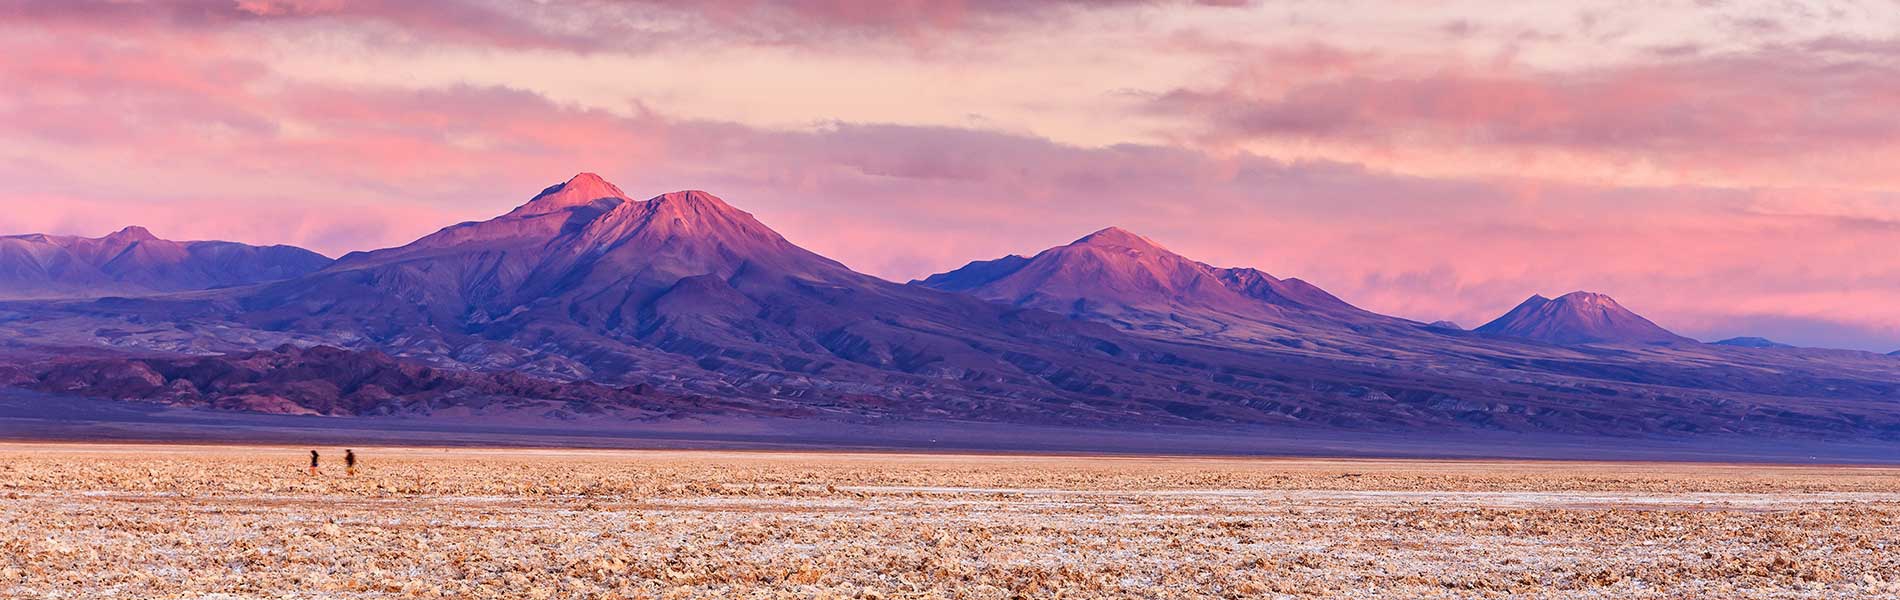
335	382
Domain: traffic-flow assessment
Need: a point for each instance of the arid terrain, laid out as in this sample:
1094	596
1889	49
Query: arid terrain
103	521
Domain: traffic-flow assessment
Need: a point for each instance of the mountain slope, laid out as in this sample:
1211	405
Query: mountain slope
1579	318
1121	278
132	261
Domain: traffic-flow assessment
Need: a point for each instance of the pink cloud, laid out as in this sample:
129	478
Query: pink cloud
1768	111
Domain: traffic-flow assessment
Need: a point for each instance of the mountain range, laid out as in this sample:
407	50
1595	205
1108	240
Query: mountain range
688	308
133	261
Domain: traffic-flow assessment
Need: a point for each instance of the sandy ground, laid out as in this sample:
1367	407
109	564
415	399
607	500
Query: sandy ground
100	521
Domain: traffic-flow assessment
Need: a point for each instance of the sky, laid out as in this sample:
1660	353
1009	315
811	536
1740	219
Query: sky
1725	168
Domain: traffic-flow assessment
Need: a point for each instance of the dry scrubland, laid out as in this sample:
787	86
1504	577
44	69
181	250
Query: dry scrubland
242	522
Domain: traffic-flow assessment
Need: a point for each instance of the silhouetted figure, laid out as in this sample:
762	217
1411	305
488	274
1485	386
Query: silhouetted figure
313	463
349	462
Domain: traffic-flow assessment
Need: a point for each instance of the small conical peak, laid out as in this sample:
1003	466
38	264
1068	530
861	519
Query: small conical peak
130	234
1578	318
584	189
1117	237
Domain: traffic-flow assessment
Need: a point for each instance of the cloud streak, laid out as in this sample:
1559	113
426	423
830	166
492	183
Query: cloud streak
588	25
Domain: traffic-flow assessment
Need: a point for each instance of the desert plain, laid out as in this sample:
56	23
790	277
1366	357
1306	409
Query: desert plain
182	521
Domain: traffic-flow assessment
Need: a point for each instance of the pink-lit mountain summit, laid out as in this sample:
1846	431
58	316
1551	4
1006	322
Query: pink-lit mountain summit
1117	276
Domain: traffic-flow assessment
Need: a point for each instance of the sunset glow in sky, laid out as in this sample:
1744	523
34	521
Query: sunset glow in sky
1724	168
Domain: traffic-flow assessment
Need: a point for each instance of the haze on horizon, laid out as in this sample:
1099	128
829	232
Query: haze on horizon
1723	168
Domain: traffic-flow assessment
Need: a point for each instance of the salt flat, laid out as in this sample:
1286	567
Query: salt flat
152	521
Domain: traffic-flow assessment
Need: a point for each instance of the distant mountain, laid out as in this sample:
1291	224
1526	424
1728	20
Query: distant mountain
1127	280
1751	342
1447	325
133	261
1579	318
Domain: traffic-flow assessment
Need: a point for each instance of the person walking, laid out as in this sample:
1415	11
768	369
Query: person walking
313	463
349	462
